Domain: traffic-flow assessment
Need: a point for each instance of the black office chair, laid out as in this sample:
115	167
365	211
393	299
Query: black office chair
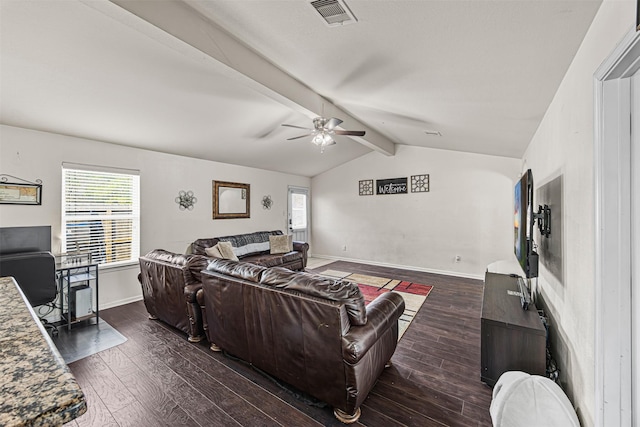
35	273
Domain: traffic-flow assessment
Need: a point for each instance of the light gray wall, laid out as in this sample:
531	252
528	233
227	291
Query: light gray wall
563	145
35	155
467	212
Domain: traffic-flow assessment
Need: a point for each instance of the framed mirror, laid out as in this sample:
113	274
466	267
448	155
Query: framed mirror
231	200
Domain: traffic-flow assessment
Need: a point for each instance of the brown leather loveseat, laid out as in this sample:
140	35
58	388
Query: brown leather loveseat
306	330
169	285
254	248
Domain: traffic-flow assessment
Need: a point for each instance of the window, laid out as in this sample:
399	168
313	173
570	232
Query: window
298	211
101	213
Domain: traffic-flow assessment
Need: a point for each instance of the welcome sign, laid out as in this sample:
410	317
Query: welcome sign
391	186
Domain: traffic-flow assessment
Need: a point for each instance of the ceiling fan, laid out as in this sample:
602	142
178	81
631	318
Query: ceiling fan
322	132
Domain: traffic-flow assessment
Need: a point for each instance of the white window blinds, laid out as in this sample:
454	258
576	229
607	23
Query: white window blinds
101	213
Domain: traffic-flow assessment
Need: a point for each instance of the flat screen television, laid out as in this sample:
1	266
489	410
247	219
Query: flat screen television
523	219
25	239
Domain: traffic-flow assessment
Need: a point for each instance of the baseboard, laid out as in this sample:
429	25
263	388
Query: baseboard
120	302
403	267
55	315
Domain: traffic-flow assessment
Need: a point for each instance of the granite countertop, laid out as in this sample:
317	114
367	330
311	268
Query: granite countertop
36	386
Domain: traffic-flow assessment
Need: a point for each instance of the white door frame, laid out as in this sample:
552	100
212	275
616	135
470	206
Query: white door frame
613	303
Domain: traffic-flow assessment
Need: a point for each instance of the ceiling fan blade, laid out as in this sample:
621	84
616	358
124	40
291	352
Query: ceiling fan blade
298	137
297	127
332	123
349	132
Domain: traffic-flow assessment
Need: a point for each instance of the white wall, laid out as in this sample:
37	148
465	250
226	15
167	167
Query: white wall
563	144
468	211
35	155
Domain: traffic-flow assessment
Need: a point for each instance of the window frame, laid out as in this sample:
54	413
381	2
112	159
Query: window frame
133	208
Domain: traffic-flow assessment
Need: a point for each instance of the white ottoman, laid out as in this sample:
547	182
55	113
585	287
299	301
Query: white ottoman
520	399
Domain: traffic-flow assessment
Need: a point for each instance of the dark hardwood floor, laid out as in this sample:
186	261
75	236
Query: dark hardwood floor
157	378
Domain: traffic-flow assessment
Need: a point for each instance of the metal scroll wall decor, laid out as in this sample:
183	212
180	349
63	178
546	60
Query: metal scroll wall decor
186	200
267	202
418	184
19	191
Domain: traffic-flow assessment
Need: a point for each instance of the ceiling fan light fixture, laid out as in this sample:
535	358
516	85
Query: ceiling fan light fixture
322	140
323	131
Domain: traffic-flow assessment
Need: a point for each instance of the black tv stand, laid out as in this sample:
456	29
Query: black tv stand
512	339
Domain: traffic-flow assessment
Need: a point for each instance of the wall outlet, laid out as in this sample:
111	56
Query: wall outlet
458	258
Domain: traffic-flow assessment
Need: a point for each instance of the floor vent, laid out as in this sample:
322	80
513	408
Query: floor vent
334	12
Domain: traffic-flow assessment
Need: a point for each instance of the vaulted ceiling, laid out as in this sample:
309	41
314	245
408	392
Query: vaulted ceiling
216	79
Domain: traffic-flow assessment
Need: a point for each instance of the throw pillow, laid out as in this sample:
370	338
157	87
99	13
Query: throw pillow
213	252
226	249
280	244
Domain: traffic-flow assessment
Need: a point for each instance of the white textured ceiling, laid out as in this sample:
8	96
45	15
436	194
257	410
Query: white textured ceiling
480	72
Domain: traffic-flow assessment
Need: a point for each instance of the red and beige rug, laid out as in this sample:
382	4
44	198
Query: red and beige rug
414	294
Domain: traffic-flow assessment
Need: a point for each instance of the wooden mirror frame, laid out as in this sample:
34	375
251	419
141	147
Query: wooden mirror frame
216	200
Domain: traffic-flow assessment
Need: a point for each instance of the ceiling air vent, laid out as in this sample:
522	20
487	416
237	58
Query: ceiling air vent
334	12
433	132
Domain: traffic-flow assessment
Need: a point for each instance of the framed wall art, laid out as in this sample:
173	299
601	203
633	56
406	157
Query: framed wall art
391	186
420	183
20	193
365	187
231	200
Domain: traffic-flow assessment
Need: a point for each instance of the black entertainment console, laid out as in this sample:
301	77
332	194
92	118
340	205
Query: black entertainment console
512	339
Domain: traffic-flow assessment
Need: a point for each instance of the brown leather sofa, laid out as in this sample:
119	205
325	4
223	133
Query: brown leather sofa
308	331
169	285
254	248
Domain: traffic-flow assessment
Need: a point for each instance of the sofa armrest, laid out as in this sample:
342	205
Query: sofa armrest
190	292
304	248
382	314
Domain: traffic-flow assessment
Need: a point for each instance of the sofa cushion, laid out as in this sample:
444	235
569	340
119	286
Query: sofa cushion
291	257
265	260
280	244
240	270
226	250
341	291
213	252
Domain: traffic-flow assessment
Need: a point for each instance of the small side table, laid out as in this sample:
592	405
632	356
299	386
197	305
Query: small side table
78	289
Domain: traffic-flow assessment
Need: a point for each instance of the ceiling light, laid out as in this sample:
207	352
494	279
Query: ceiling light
322	140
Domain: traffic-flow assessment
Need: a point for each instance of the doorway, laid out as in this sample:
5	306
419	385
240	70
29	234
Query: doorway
298	213
617	236
635	243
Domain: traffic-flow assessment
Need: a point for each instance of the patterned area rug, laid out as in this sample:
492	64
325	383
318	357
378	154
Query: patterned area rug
414	294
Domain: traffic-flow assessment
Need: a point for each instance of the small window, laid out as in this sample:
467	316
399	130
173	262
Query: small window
101	213
298	211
